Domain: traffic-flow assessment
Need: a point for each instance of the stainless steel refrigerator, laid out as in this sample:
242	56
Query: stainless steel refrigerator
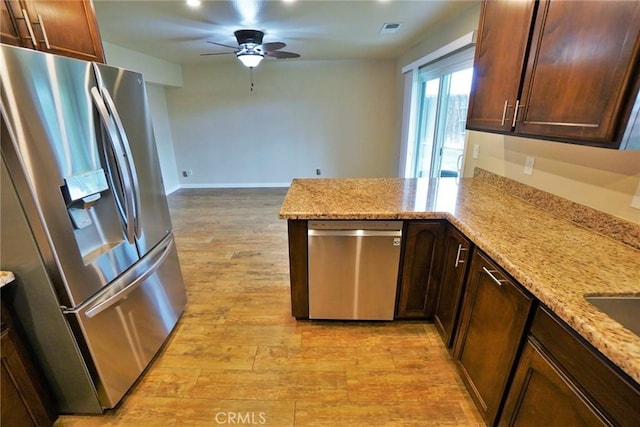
85	225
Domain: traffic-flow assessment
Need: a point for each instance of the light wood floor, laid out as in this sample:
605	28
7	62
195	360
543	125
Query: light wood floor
237	357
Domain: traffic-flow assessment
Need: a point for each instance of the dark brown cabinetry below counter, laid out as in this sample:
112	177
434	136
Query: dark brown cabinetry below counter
457	253
25	402
421	268
562	380
61	27
494	316
558	70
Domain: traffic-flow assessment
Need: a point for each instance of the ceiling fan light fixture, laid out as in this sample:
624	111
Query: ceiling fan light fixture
250	59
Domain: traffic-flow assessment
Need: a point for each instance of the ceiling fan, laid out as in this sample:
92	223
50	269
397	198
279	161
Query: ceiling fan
251	51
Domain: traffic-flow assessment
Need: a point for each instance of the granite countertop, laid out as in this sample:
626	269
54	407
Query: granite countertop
6	277
557	260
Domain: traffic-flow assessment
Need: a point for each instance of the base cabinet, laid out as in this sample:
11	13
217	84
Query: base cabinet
542	395
495	312
457	253
421	267
25	402
561	380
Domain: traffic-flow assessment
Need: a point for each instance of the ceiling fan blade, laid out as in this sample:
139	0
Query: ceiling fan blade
282	55
217	53
224	45
270	47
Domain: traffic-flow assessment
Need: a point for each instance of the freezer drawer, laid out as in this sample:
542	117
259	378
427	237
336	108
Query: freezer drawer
353	269
125	326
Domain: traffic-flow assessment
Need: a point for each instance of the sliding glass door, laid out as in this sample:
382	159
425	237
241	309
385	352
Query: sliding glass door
443	90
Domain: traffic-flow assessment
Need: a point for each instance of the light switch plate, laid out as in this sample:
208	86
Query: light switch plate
528	165
476	150
635	201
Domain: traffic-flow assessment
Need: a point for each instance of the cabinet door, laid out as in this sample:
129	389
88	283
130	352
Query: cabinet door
9	33
499	63
421	269
69	26
494	315
457	253
581	70
541	395
24	400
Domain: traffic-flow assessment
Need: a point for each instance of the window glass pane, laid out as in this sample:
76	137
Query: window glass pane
455	119
426	131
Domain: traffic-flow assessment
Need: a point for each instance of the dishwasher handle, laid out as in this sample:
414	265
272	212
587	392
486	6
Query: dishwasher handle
356	233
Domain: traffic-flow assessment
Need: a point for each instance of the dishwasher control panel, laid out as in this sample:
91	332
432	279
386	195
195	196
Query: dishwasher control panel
355	225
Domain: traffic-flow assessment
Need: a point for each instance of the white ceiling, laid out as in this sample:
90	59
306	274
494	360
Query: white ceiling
316	29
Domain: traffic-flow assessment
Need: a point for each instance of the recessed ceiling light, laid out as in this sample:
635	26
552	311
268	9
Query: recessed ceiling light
193	3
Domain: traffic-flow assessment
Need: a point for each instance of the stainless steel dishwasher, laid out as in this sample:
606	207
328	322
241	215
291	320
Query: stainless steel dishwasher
353	269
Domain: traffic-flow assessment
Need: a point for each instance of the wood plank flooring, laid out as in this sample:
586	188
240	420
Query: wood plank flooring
237	357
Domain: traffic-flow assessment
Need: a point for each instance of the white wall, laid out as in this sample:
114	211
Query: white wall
162	132
157	74
335	115
155	70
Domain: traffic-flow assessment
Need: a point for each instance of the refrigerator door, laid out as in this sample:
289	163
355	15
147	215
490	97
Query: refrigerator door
126	324
56	159
126	89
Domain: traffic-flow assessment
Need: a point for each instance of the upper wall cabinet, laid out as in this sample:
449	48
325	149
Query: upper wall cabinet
557	70
62	27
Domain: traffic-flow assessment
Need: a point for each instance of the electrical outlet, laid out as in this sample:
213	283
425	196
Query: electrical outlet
318	171
476	150
185	173
528	165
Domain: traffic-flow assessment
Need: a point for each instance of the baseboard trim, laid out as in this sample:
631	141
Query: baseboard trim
239	185
171	190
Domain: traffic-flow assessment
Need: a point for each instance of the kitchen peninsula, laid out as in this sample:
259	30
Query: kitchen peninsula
556	261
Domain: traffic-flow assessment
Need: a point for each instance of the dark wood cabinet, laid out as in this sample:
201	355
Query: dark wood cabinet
25	402
503	37
573	67
542	395
8	27
457	253
63	27
563	380
298	268
421	268
494	315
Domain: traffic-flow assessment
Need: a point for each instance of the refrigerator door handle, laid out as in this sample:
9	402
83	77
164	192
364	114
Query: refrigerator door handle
129	158
118	296
127	203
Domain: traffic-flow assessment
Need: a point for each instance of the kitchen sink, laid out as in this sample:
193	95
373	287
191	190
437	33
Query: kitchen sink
621	308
